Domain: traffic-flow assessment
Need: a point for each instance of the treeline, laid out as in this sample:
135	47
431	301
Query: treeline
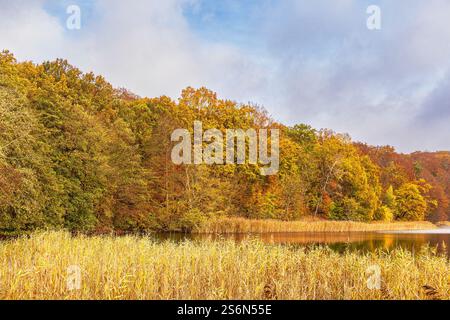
77	153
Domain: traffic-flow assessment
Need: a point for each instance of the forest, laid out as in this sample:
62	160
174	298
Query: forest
78	154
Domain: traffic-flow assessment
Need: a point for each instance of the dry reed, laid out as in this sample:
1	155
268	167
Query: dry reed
131	267
242	225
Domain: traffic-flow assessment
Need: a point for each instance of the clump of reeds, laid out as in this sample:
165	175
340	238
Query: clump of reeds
242	225
55	265
443	224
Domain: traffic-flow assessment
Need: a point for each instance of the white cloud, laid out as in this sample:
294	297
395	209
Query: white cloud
336	73
29	32
146	46
316	62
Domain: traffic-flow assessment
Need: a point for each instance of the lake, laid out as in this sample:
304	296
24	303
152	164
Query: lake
338	241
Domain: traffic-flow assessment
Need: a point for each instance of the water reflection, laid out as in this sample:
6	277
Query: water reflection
337	241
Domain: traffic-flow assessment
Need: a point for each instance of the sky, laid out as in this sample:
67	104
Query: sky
313	62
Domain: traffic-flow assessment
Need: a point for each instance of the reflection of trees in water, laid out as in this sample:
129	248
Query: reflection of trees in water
340	242
412	243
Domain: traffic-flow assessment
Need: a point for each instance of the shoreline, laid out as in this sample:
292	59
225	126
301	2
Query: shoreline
237	225
243	225
438	230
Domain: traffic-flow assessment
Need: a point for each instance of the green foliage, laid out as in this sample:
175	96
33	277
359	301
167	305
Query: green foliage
389	198
384	214
410	204
27	181
191	219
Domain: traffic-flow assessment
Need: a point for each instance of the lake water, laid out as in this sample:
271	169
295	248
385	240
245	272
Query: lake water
410	240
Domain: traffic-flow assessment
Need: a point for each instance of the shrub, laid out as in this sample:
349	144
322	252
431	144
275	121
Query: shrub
191	220
384	213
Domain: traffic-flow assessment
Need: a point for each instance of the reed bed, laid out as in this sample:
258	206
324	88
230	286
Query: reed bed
42	266
242	225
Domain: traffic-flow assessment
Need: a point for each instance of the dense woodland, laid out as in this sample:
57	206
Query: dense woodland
77	153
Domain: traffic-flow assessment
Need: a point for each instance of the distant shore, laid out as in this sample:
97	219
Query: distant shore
228	225
242	225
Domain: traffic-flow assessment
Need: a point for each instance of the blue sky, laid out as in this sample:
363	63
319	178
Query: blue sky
230	20
305	61
57	8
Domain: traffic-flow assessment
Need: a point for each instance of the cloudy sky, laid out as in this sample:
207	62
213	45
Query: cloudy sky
305	61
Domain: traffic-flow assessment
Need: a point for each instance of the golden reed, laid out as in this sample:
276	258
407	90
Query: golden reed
129	267
242	225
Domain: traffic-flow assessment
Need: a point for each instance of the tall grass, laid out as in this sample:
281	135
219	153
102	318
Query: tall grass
137	268
242	225
443	224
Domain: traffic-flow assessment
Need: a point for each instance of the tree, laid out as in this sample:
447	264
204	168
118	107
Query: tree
389	198
77	153
385	214
27	180
410	204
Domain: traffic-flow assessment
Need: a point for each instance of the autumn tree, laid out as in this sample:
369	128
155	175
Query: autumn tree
410	204
77	153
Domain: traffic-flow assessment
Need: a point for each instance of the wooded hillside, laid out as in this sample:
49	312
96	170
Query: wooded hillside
77	153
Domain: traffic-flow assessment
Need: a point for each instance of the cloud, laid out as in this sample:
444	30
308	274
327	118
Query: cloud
334	72
313	62
30	32
436	107
146	46
432	123
154	51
